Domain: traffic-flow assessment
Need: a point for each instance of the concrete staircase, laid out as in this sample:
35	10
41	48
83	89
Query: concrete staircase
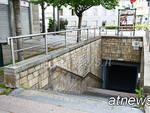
46	99
108	93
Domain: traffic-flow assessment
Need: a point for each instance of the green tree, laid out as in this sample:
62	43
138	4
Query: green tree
80	6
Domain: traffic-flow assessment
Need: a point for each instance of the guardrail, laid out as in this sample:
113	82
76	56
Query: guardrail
148	37
45	36
87	32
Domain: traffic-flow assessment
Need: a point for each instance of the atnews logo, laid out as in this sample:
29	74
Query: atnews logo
120	101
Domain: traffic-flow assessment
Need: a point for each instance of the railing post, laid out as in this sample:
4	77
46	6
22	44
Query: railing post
148	32
94	32
65	39
115	30
46	46
87	33
100	31
12	51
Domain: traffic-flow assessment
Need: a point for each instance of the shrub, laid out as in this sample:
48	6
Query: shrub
63	24
110	27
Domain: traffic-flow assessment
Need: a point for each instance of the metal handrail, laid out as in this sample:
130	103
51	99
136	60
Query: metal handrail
11	39
48	33
148	37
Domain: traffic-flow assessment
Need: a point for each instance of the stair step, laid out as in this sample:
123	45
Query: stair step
108	93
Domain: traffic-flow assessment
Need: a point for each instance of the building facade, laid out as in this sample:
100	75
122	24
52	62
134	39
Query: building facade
93	17
29	19
142	11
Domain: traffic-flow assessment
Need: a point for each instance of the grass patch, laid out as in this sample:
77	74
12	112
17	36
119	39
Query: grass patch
26	88
40	53
49	50
59	105
2	86
10	62
6	91
42	91
1	72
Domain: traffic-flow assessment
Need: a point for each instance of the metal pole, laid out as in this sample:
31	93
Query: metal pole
99	31
87	34
65	39
94	32
46	46
148	13
12	52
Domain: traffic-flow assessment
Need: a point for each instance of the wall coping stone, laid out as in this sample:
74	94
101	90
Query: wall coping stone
81	77
122	37
37	60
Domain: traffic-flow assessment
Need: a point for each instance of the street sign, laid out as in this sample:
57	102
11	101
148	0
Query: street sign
126	19
133	1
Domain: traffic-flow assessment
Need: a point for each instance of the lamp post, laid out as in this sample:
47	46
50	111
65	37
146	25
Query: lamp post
148	13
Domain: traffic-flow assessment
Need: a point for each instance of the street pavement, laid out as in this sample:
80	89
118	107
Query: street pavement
42	101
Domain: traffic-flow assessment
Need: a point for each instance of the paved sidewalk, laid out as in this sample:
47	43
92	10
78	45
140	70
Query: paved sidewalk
86	103
1	111
9	104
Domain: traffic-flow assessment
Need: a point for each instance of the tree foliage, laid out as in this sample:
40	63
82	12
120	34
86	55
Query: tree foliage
79	6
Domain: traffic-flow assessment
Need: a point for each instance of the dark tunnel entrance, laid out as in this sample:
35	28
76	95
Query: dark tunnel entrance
121	77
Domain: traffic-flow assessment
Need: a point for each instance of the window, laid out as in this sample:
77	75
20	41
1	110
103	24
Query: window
72	12
61	12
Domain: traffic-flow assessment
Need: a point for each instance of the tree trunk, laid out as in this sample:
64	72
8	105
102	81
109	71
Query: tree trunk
43	18
18	26
79	27
54	19
58	19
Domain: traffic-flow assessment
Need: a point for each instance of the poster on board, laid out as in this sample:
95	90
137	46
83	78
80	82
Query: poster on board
127	19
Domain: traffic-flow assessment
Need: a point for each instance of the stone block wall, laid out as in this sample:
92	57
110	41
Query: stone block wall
120	49
63	80
34	72
91	81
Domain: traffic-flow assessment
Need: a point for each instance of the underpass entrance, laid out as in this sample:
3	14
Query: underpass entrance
120	76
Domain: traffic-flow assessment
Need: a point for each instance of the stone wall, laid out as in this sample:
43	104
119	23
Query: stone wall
34	72
120	48
63	80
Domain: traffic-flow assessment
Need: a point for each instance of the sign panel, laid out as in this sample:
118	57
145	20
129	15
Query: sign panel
3	1
133	1
127	19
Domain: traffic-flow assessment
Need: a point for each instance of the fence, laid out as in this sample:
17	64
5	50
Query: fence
148	37
84	35
64	38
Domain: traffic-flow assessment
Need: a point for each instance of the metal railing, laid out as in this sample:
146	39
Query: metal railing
148	37
87	34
